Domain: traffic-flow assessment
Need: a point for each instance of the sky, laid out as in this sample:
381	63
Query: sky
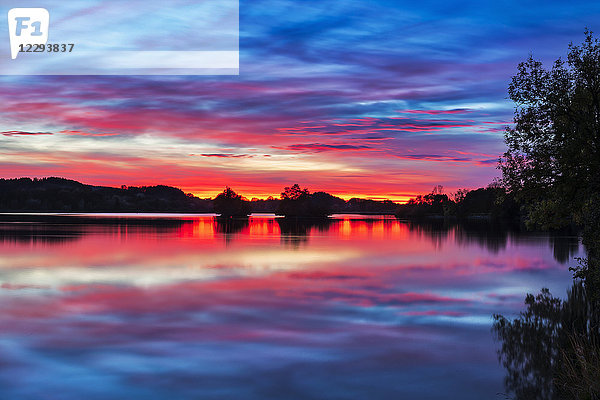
378	99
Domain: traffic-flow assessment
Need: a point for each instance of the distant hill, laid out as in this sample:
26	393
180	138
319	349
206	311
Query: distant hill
64	195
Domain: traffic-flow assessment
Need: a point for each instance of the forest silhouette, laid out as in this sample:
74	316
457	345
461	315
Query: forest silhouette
552	169
54	194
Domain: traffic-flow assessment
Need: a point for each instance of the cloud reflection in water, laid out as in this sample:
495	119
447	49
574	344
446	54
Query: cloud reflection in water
374	308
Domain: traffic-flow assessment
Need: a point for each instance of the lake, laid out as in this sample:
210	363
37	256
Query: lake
187	307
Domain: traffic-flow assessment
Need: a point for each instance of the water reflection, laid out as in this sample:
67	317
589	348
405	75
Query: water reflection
33	234
492	236
552	350
60	229
192	307
295	232
230	227
564	245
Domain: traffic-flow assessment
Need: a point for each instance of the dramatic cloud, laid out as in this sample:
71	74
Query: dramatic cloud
376	100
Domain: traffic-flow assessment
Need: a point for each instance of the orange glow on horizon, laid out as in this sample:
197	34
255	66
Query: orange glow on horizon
247	189
346	196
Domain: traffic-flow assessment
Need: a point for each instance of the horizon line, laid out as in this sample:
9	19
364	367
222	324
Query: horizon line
211	194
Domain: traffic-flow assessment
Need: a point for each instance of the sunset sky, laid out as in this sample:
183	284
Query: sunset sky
380	99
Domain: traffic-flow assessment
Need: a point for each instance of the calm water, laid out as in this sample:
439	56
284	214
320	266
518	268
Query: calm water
185	307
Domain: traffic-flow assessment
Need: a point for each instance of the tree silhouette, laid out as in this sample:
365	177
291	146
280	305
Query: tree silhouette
229	204
435	203
294	193
297	202
552	164
553	157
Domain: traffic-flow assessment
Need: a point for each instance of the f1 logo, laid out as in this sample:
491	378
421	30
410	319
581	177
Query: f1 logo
27	26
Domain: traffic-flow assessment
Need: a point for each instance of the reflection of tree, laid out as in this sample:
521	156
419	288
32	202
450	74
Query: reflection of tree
564	246
60	229
487	233
490	234
529	347
552	350
38	233
230	225
493	235
434	229
296	231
